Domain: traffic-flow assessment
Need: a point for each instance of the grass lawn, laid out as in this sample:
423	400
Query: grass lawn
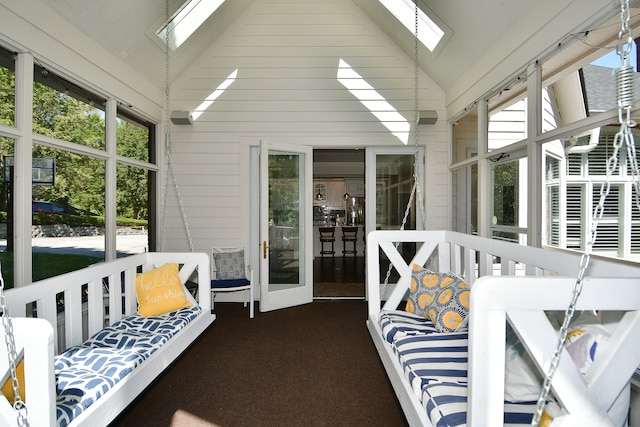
46	265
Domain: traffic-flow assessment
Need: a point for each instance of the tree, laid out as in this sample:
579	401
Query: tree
80	179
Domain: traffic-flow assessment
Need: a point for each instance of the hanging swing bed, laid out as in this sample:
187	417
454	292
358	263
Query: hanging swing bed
496	333
80	347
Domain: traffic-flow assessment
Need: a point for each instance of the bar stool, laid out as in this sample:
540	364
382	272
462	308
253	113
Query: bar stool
327	236
349	235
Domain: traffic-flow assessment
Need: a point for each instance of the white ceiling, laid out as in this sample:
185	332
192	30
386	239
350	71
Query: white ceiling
482	32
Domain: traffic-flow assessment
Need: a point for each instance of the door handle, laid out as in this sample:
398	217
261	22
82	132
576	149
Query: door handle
264	249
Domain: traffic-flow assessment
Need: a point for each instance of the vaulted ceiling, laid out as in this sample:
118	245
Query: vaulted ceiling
483	34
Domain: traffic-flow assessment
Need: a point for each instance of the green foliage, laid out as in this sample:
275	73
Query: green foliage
7	97
48	265
284	189
80	179
79	220
505	193
131	222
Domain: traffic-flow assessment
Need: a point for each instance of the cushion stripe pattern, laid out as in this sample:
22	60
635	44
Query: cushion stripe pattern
446	405
438	356
436	366
86	372
396	324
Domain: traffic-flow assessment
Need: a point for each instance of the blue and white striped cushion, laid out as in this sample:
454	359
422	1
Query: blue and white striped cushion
438	356
436	366
86	372
446	406
397	324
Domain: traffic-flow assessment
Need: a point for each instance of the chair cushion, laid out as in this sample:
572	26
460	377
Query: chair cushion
229	283
229	265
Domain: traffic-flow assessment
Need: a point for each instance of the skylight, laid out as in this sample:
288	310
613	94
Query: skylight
370	98
187	20
429	33
214	95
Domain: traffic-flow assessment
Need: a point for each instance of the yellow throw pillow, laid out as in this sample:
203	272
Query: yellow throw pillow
7	388
160	291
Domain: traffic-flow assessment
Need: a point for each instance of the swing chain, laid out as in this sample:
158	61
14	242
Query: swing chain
168	168
19	406
415	190
625	98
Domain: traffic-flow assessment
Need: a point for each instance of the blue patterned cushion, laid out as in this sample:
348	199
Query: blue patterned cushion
229	265
86	372
76	390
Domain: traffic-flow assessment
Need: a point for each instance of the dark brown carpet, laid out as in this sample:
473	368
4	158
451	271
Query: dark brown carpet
313	365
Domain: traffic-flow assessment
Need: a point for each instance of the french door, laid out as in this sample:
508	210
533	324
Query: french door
388	184
286	200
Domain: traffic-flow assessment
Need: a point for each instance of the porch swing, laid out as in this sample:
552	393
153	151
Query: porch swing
497	298
91	366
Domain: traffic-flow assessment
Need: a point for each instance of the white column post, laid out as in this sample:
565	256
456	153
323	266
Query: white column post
22	191
110	181
534	156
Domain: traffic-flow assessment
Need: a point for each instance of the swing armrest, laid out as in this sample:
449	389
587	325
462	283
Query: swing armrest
34	340
522	301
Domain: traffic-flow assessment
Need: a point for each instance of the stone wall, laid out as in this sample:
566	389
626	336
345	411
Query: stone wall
63	230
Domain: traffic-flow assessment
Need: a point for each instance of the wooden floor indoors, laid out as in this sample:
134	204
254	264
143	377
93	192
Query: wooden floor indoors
338	277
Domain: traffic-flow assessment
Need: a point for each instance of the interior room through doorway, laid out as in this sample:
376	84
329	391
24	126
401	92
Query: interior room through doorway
339	213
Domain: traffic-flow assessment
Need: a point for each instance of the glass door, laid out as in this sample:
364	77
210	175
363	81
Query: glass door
389	182
286	200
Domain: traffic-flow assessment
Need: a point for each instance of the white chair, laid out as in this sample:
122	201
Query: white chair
230	273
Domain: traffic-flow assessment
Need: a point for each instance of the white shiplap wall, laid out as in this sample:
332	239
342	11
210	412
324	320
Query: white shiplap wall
286	53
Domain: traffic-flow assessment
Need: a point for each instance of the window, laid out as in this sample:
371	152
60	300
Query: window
575	216
186	21
552	169
508	125
586	159
65	111
7	88
509	200
429	33
68	212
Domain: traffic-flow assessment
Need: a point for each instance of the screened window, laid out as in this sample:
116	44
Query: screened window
68	210
509	200
7	88
65	111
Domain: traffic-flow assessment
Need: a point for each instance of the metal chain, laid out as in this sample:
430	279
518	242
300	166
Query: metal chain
167	143
415	190
18	405
416	130
167	149
625	96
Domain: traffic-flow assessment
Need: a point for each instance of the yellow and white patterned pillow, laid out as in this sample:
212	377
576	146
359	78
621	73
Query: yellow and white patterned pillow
160	291
442	298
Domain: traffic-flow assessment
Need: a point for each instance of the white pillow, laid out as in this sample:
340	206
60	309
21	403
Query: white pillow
586	337
523	381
